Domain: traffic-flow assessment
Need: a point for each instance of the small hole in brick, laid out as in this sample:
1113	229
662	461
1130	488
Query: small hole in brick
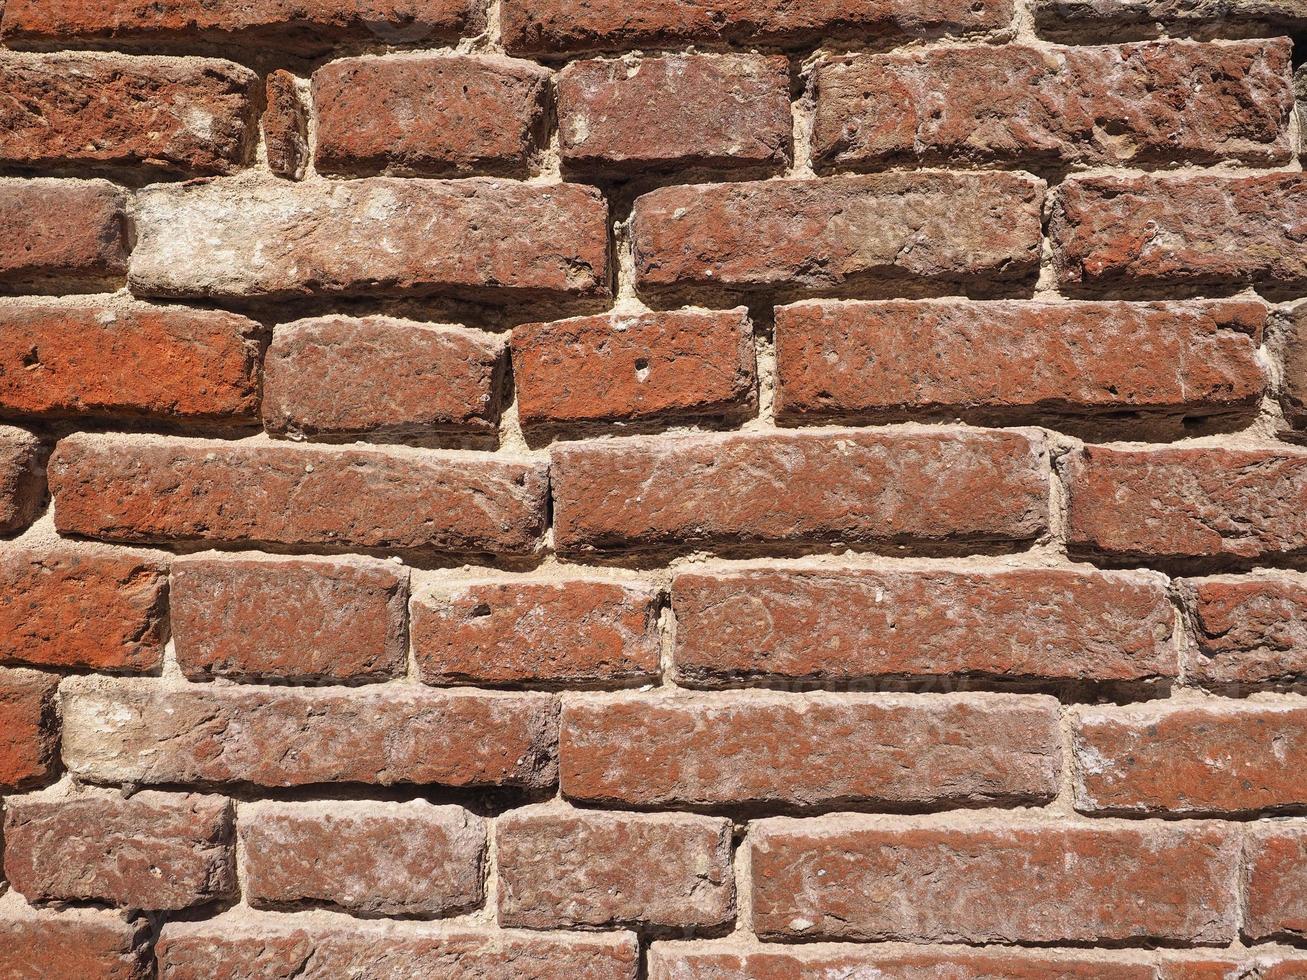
641	368
480	610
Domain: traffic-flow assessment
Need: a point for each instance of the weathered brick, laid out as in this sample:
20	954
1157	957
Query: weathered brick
1248	630
716	111
300	26
152	488
112	360
836	626
429	114
620	368
1120	362
156	851
787	750
147	733
728	961
185	116
366	857
22	478
1177	503
565	868
548	27
82	606
262	946
937	488
285	126
573	631
29	729
89	944
251	618
1294	341
1079	18
1214	757
62	236
341	377
940	230
479	239
1261	963
1122	233
854	878
1275	883
1154	103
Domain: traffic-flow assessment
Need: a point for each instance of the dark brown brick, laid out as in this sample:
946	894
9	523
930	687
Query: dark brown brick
285	126
29	729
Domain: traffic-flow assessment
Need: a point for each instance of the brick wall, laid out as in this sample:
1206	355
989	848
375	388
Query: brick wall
652	490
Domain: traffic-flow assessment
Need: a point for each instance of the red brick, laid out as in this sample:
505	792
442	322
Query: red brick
489	240
294	619
1120	363
362	856
564	26
111	360
88	944
855	878
62	236
942	487
1260	964
941	230
148	733
185	116
341	377
726	961
809	750
22	478
1082	18
1157	103
82	606
429	114
1294	340
1179	503
29	729
565	868
157	851
716	111
152	488
835	626
1214	757
620	368
1248	630
1202	230
573	631
1275	883
285	126
252	946
301	26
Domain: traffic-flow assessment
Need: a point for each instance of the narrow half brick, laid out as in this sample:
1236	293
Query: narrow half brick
148	733
1213	758
678	111
123	361
252	618
924	230
1111	18
154	851
934	883
828	626
1113	363
29	729
365	857
153	488
435	115
1136	104
85	112
793	751
555	27
339	378
82	606
1262	963
22	478
575	631
484	240
1275	883
639	368
1125	233
285	126
89	944
1173	503
561	868
1293	397
914	488
62	236
1248	630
